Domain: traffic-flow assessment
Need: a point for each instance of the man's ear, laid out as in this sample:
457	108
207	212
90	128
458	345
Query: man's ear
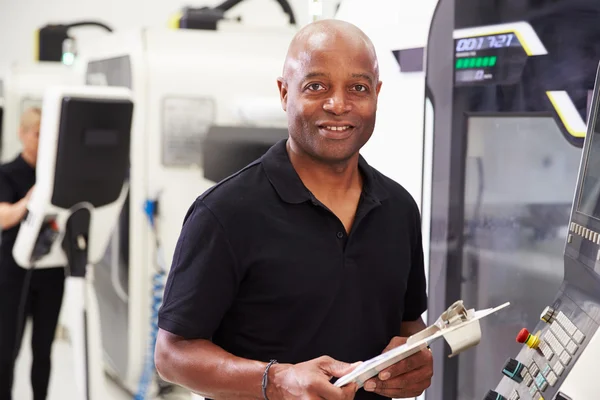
378	87
283	92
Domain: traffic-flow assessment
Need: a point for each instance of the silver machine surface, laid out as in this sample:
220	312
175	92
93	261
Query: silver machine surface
507	102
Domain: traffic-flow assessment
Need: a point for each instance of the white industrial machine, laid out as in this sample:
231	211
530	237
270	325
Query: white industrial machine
23	87
491	152
81	184
207	104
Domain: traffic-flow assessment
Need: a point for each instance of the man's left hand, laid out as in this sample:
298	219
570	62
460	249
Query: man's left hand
407	378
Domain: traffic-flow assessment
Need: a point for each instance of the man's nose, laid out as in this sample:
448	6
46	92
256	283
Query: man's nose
337	104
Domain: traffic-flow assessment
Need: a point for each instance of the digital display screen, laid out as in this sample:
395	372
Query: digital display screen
487	42
495	58
589	200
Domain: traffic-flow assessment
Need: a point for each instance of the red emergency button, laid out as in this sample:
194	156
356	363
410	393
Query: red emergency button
527	338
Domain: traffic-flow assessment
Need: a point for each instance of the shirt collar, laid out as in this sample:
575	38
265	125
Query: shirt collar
289	186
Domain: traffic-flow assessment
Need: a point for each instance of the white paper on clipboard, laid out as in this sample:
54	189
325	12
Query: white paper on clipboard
460	336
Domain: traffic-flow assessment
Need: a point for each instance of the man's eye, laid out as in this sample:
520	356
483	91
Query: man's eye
360	88
315	86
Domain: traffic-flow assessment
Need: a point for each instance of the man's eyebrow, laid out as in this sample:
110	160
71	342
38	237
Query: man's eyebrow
311	75
364	76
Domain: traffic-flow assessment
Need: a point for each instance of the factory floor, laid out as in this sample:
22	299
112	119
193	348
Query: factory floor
61	379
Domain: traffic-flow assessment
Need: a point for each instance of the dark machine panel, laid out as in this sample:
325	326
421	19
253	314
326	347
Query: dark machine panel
510	86
554	346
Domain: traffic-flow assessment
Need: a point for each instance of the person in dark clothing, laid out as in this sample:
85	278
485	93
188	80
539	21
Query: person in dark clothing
25	293
306	261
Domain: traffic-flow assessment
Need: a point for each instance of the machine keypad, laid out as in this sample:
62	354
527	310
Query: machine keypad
541	383
546	350
551	378
528	379
535	394
546	370
566	323
578	336
514	395
534	369
565	358
558	368
572	348
552	341
560	333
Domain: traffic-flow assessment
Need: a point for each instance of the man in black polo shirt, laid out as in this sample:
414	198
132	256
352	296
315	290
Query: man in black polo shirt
41	292
307	260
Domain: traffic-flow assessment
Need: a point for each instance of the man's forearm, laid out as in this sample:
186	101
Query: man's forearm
207	369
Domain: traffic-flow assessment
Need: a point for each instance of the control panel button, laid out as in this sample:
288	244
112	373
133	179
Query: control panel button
534	369
565	358
541	383
546	370
514	395
560	333
492	395
571	348
513	369
566	323
527	379
527	338
558	368
578	336
553	342
548	315
533	392
546	350
551	378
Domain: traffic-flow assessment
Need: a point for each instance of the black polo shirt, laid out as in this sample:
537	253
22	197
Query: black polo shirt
266	271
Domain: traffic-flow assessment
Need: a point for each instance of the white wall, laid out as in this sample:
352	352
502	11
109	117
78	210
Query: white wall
19	19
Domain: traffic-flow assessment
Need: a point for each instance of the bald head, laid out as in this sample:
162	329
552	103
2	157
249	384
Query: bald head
329	90
324	35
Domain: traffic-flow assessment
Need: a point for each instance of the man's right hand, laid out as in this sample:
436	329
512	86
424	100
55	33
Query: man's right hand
310	380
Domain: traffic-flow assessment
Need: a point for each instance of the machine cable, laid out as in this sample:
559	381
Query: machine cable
285	5
158	285
89	23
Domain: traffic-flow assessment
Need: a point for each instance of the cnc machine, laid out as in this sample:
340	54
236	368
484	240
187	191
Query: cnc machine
559	356
207	105
506	89
24	85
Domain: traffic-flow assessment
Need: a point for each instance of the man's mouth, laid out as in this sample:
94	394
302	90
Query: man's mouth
336	132
336	128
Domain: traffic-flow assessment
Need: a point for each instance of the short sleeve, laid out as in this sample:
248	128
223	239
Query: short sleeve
7	193
203	279
415	298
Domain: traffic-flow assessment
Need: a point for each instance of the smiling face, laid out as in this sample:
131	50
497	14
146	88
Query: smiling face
329	90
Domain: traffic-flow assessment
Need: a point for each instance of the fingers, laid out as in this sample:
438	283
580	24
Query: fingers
326	390
409	392
400	388
412	382
414	362
396	341
334	368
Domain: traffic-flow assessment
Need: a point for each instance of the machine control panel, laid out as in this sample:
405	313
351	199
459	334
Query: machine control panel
547	356
513	369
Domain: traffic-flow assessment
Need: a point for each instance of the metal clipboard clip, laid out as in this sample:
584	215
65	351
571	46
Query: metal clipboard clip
459	339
